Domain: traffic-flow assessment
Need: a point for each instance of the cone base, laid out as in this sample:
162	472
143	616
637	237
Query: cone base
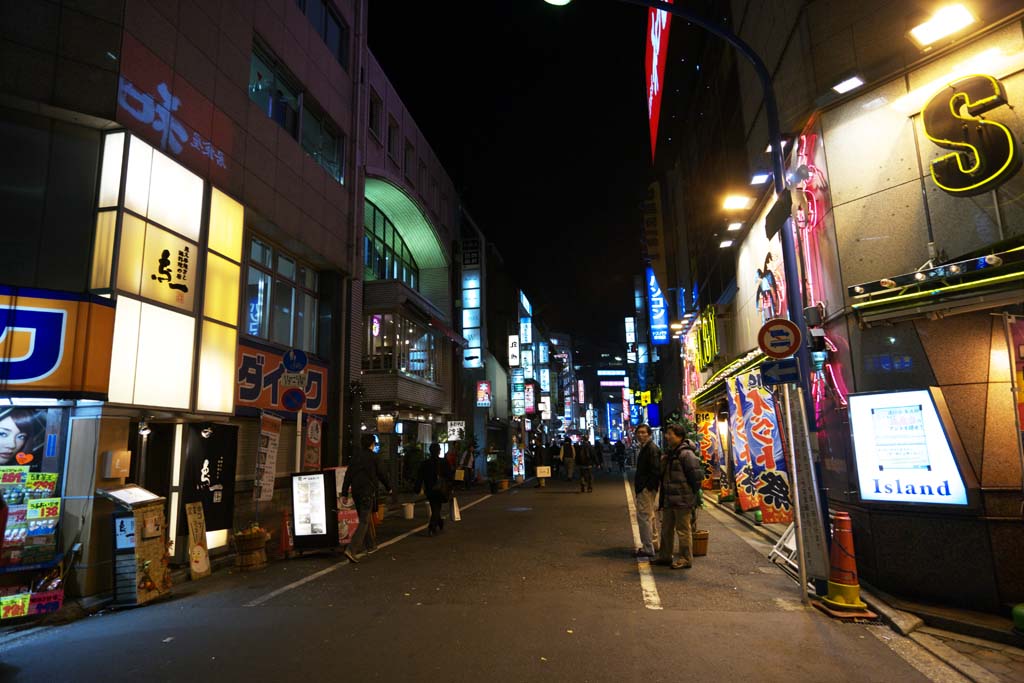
843	596
844	614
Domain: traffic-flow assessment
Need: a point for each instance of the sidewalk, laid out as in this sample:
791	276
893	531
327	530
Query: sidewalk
983	647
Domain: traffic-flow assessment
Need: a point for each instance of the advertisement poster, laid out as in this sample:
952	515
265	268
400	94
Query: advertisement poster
209	476
313	437
348	522
22	437
266	457
12	606
1017	334
198	555
902	450
710	445
309	501
265	382
759	462
483	394
518	462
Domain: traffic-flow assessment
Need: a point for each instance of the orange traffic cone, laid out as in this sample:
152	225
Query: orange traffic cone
284	544
843	599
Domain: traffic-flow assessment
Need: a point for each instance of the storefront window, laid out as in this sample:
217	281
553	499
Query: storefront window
281	298
397	344
385	254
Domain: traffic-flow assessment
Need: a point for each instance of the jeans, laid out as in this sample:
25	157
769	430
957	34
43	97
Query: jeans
647	519
677	519
356	544
436	523
586	478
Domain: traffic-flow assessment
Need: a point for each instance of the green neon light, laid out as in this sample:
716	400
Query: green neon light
732	368
963	286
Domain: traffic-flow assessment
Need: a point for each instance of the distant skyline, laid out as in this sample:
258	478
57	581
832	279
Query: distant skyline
539	115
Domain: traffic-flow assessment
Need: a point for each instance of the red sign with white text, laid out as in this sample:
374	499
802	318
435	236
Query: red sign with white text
654	66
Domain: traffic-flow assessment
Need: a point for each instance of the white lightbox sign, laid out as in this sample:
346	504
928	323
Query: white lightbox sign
513	350
902	450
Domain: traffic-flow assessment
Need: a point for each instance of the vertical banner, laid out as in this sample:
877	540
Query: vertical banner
740	451
658	21
311	455
710	446
768	482
266	457
198	555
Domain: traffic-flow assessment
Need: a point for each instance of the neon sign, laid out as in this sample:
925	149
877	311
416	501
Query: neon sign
707	339
657	309
654	66
984	152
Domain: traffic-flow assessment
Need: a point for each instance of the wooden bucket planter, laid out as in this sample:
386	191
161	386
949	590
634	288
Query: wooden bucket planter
700	542
251	551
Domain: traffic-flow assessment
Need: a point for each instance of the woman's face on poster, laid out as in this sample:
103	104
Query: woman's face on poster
12	440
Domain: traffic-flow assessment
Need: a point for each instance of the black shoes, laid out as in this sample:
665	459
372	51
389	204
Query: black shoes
351	557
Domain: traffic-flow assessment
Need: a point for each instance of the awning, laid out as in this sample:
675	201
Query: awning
716	383
441	327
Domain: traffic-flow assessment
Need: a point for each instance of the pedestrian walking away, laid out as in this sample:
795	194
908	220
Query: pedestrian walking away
681	475
646	483
435	478
568	454
585	462
620	455
467	463
362	478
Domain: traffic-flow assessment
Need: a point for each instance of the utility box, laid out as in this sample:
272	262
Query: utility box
141	572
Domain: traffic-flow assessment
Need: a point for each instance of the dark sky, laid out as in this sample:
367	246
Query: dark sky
539	115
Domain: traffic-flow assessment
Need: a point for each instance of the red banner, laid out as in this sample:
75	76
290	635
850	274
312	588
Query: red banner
654	66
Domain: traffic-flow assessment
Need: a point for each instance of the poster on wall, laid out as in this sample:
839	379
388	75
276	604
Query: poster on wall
23	438
1017	335
266	457
903	451
264	382
313	436
759	463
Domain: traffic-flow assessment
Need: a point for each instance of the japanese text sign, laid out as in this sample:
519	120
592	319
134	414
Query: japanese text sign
262	382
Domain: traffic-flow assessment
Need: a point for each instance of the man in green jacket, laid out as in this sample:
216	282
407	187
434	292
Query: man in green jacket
681	475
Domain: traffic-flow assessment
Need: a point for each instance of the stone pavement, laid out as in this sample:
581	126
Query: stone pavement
1005	662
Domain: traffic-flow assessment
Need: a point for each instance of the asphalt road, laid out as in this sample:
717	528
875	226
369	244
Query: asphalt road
532	584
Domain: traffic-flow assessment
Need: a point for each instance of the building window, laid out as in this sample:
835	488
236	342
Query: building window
376	114
407	162
398	344
280	298
330	26
385	254
323	142
423	179
393	138
274	92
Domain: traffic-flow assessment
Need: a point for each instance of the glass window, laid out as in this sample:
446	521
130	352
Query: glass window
397	344
269	88
281	303
376	114
322	141
387	256
329	26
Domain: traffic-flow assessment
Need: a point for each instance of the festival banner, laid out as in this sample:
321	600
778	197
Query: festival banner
740	451
768	482
710	446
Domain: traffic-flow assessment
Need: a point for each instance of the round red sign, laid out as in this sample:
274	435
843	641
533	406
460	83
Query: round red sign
779	338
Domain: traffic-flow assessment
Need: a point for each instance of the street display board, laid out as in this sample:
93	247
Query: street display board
903	449
314	501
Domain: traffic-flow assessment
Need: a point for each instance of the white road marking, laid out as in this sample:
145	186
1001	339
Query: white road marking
334	567
650	590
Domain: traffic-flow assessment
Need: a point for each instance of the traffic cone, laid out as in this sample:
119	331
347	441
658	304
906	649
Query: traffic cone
843	599
284	543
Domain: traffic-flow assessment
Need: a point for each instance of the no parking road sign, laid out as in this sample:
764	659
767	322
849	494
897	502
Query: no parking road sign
779	338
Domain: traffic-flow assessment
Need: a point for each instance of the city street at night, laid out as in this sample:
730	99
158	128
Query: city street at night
532	584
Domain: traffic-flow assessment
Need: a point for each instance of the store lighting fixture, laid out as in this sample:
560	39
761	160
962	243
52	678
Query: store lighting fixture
944	23
207	432
851	83
737	202
144	429
725	244
886	282
768	149
375	406
760	178
920	277
734	227
558	3
993	260
676	326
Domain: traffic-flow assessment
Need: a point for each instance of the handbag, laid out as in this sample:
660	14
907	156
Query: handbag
456	513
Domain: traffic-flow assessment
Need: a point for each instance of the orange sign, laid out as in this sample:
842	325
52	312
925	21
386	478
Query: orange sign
54	342
265	383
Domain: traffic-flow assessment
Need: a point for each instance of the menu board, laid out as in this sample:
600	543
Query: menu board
903	450
266	457
309	501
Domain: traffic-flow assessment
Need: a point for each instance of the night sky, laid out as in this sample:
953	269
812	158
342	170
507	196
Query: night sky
539	115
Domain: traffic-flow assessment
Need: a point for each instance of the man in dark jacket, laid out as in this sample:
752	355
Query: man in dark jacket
646	484
585	463
681	475
362	478
435	479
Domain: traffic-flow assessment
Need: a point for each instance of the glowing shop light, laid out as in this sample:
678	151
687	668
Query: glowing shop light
735	202
849	84
945	22
734	227
760	178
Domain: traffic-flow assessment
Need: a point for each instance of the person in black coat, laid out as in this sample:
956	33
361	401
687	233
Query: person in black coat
646	483
435	477
364	474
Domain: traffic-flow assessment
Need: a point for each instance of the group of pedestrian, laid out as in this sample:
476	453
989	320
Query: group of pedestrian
671	480
583	456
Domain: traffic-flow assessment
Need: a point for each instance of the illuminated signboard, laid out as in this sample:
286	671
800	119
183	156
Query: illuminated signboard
264	382
707	339
471	319
543	353
525	303
654	66
513	350
531	399
526	358
630	330
615	382
657	309
611	373
518	392
903	449
54	342
525	331
545	380
483	394
579	389
545	407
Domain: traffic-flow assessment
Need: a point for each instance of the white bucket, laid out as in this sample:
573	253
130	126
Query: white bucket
408	510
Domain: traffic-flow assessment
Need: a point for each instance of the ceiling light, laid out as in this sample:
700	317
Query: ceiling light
919	276
144	429
558	3
945	22
733	227
737	202
725	244
851	83
760	178
676	326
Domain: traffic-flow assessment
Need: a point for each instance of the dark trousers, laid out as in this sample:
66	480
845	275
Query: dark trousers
586	478
363	507
436	523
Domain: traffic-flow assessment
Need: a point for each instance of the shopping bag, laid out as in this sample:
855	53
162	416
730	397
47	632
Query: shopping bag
460	474
456	513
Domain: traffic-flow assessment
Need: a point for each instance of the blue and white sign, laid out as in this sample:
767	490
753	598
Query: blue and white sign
657	309
525	303
545	380
525	331
543	353
785	371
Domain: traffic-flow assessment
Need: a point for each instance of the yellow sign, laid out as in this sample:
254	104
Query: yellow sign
169	269
54	342
707	339
12	606
43	508
645	398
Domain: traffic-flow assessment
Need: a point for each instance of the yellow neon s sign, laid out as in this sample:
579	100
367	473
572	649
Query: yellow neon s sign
984	152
